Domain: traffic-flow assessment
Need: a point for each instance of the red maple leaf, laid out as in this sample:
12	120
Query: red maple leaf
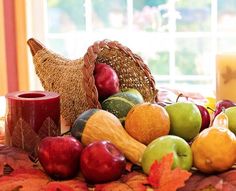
163	178
15	158
66	185
132	181
136	181
112	186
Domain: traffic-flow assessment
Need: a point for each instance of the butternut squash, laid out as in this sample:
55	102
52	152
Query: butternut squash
96	124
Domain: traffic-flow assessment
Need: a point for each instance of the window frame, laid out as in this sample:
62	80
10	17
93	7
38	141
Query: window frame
40	32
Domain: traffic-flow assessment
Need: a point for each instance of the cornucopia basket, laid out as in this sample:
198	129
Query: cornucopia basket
74	80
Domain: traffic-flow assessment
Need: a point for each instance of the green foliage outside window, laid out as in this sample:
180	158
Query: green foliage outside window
159	64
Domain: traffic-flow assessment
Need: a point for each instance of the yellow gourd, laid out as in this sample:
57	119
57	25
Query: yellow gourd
96	124
214	149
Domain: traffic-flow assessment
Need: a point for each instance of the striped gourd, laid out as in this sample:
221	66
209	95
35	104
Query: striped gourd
120	103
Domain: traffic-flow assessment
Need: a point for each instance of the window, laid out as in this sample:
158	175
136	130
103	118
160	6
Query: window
178	39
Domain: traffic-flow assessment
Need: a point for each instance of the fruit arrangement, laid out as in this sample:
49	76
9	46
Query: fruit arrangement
102	153
124	139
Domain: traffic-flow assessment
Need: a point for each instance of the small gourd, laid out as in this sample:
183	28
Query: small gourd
96	124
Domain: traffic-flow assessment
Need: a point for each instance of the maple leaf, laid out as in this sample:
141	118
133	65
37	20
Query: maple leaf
66	185
112	186
163	178
13	158
136	181
24	179
133	181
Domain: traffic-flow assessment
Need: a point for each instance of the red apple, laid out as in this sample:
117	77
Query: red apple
222	104
106	80
60	156
101	162
206	119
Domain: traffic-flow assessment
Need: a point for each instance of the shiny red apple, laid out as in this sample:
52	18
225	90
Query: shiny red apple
222	104
106	80
101	162
60	156
206	119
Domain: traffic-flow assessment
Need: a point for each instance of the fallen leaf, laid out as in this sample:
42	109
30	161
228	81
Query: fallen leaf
66	185
210	181
193	181
35	180
163	178
135	180
23	180
14	157
112	186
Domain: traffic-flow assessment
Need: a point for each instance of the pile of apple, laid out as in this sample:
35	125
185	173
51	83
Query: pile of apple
187	120
63	157
101	161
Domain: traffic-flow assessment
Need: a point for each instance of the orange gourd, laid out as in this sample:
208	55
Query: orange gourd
146	122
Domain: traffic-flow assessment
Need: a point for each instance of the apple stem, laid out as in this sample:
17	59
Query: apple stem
164	103
180	95
210	109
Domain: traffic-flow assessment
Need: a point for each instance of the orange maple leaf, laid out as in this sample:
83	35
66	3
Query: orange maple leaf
163	178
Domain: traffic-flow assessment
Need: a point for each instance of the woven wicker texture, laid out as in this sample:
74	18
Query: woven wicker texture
74	81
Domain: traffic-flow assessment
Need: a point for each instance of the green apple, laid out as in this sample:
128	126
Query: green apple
164	145
185	119
231	114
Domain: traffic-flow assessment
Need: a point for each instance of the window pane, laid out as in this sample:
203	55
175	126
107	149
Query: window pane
154	50
204	87
193	56
162	83
58	46
149	15
195	15
65	16
109	14
226	15
159	63
193	82
227	44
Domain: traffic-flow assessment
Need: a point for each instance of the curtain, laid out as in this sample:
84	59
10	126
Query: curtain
14	74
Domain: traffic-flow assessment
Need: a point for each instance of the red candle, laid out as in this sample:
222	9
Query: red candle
31	116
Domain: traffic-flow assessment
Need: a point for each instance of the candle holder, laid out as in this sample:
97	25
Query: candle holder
31	116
